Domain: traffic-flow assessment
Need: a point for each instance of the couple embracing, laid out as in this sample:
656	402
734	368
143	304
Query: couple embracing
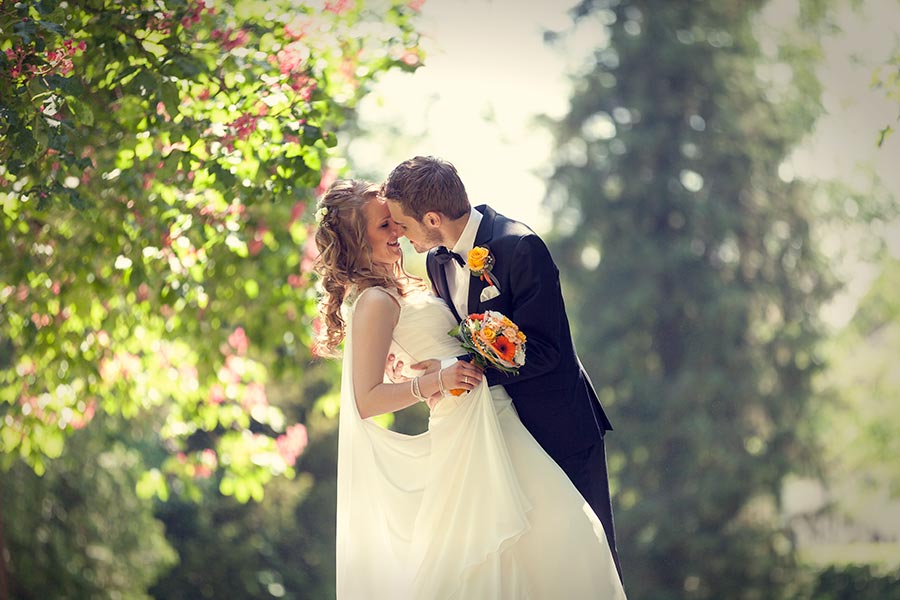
506	494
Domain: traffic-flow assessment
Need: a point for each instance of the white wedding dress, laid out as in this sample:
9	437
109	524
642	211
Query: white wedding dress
472	509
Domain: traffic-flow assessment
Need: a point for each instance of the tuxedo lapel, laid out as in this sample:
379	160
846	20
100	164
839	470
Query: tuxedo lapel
482	238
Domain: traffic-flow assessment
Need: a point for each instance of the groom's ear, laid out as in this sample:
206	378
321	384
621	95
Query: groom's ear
432	219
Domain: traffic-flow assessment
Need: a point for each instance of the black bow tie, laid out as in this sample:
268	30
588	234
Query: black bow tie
443	256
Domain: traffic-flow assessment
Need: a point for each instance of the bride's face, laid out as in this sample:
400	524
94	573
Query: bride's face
382	233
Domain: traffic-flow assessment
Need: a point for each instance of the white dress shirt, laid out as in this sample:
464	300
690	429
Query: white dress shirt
458	277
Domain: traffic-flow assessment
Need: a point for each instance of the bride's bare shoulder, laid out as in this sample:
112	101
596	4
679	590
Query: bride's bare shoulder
377	301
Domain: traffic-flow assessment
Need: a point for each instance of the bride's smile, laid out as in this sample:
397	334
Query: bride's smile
382	233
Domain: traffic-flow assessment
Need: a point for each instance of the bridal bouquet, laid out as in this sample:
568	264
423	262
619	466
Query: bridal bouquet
494	341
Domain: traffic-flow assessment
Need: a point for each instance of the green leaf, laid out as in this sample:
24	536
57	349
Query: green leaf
51	442
25	30
81	111
170	97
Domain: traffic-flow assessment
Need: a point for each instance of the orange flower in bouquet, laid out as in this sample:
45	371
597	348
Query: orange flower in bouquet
494	341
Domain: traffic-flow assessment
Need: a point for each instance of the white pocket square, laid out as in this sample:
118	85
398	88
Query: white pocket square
489	293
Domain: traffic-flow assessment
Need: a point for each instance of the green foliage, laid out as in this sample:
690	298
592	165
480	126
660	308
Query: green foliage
79	531
282	547
860	421
693	262
887	79
855	582
156	161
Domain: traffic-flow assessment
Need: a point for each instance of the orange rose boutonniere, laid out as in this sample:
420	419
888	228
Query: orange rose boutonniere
480	261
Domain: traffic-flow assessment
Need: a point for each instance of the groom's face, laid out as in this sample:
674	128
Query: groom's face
420	235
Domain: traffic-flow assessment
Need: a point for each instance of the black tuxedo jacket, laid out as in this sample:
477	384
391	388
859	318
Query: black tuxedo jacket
552	392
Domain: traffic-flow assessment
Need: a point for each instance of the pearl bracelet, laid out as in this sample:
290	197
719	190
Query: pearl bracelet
441	383
416	392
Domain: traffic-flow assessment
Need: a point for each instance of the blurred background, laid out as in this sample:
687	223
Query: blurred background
718	184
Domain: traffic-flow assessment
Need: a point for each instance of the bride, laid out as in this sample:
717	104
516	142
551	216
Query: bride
471	509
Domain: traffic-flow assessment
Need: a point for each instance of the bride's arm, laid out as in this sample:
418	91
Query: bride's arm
374	319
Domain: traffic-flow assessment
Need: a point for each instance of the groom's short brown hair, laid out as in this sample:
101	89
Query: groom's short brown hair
424	184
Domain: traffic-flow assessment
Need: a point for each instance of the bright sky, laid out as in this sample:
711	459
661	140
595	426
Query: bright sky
488	73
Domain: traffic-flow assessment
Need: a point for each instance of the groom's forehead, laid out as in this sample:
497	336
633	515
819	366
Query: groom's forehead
398	212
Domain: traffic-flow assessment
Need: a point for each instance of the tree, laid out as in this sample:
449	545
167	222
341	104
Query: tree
158	160
860	420
80	530
692	258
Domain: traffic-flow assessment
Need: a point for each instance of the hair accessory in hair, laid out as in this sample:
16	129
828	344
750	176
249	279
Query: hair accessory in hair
321	214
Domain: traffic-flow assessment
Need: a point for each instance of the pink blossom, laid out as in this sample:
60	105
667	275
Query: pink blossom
216	394
80	421
328	177
338	7
304	86
161	111
297	210
207	463
292	57
193	16
416	5
238	340
40	320
121	364
295	281
255	245
208	457
254	395
411	57
297	28
292	443
228	42
244	125
310	254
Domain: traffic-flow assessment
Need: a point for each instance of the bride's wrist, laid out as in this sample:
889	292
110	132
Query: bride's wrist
440	379
432	380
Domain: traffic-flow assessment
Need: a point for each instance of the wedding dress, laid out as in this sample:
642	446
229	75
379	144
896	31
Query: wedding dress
471	509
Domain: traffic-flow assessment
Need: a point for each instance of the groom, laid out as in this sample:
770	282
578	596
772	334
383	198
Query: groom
552	392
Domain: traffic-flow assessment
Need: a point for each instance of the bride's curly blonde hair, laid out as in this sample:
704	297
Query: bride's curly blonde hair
345	258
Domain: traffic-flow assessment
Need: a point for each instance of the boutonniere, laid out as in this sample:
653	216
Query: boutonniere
480	262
